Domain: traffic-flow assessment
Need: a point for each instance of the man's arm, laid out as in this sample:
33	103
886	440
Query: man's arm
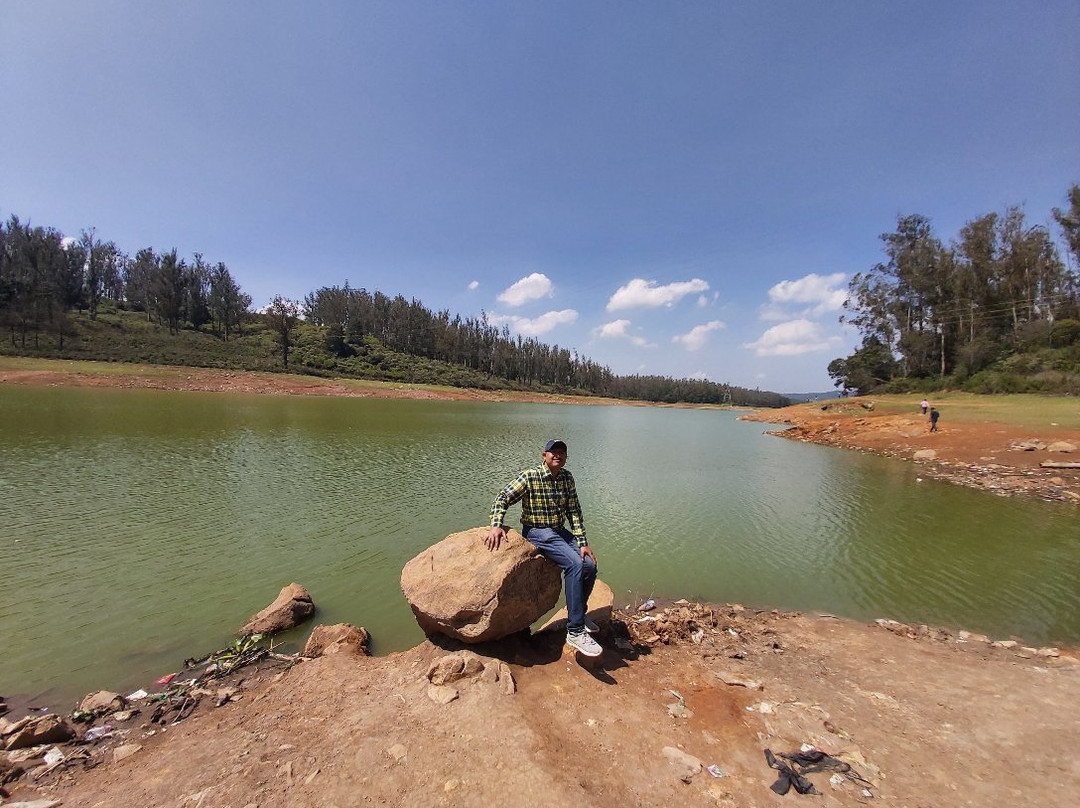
507	497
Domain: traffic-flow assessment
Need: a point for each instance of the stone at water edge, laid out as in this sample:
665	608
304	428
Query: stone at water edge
292	606
339	637
103	700
459	588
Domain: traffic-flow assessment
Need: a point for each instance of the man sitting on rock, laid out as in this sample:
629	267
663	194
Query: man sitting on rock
548	499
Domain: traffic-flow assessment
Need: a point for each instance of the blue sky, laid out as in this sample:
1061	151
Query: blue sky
678	188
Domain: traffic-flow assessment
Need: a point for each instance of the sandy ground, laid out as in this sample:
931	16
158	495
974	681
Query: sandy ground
922	718
1002	459
925	718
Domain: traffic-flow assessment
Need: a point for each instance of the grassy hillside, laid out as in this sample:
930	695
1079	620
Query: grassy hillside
118	335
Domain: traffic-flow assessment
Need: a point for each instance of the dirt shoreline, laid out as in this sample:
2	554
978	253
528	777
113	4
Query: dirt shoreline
998	458
922	717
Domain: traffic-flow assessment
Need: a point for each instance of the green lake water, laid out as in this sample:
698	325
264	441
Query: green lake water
141	527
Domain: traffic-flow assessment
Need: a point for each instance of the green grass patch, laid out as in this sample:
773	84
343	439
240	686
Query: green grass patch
1035	412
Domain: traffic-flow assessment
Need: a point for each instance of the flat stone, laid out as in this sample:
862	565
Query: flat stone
442	694
125	751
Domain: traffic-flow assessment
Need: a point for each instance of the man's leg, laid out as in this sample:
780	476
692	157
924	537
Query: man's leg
560	547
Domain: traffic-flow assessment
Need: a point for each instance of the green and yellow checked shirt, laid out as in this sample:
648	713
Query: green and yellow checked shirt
546	501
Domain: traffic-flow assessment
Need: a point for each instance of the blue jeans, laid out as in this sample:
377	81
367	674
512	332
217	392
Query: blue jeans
559	546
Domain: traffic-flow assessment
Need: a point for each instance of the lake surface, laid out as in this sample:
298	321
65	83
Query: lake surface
141	527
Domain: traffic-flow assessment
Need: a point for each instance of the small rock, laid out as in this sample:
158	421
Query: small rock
679	710
442	694
102	701
967	636
925	454
37	731
687	764
1004	643
452	667
339	637
291	607
450	785
1061	446
125	751
397	752
1051	653
507	679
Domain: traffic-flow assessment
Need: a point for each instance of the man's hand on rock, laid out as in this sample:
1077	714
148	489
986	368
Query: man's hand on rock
495	537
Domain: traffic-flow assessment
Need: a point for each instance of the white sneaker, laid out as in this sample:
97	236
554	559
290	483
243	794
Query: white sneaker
591	627
584	644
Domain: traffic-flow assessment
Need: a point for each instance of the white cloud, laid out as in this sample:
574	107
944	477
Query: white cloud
816	294
698	336
535	326
533	287
700	376
617	330
793	338
640	292
474	285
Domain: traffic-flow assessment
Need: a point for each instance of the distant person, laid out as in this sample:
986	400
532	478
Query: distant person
549	498
934	415
925	406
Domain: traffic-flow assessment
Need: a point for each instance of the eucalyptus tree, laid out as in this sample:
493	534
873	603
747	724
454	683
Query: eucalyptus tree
1069	221
140	277
902	302
168	285
228	304
283	316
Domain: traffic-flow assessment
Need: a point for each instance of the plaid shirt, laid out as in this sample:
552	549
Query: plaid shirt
546	501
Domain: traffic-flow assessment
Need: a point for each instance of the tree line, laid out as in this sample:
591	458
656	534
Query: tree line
348	315
940	311
45	278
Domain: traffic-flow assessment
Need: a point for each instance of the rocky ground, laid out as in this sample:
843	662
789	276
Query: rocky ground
1002	459
910	715
679	710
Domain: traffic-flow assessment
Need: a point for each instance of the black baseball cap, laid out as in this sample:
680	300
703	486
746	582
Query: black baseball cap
555	446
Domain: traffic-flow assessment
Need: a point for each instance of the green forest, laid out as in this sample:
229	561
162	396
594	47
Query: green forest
85	298
996	310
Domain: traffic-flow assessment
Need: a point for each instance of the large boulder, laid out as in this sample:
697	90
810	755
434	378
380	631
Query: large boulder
463	590
292	607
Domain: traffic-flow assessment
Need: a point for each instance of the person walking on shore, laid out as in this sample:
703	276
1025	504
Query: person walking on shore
934	415
549	499
925	406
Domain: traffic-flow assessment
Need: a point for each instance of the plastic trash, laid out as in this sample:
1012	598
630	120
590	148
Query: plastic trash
715	770
138	694
647	606
97	733
53	756
164	680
